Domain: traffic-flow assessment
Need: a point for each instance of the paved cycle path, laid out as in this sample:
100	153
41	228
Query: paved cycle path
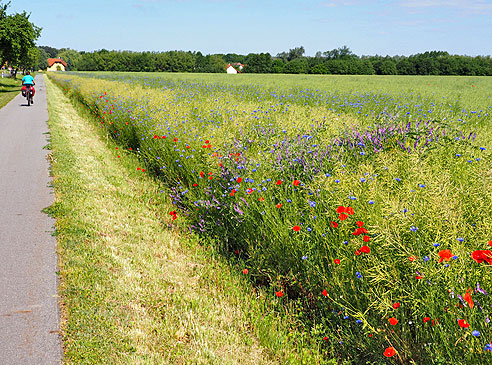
29	313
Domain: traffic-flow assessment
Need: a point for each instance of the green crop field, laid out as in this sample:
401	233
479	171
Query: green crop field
361	204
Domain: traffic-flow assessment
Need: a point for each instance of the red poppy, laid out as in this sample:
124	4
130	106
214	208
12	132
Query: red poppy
359	223
349	210
490	243
325	338
202	174
389	352
245	271
412	258
340	209
249	191
365	249
325	293
207	141
175	140
396	305
279	294
279	182
279	205
296	182
342	217
418	277
337	261
393	321
239	179
233	192
445	255
366	238
334	224
482	255
195	184
357	252
463	323
261	199
426	319
468	298
434	321
296	228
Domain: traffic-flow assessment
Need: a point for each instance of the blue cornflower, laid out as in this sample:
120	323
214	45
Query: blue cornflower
345	242
482	148
358	274
488	347
458	155
362	179
346	317
475	333
426	258
337	181
371	201
455	257
358	321
309	229
413	228
397	179
304	257
461	239
436	244
311	203
422	185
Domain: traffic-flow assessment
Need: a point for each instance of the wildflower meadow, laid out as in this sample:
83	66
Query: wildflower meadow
365	212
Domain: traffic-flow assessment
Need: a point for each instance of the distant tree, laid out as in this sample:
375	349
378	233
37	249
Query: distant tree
277	66
296	66
17	38
71	57
50	51
406	67
42	60
216	64
258	63
321	68
293	53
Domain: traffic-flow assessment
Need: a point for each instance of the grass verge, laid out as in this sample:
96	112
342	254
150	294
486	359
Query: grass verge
9	88
134	289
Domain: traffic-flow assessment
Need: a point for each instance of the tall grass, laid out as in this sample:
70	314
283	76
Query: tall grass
360	209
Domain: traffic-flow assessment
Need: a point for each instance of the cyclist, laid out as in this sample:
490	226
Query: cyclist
28	81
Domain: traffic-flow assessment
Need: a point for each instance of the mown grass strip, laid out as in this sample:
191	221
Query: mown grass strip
132	289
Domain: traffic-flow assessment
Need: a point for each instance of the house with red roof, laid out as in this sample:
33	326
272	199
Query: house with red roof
234	68
56	64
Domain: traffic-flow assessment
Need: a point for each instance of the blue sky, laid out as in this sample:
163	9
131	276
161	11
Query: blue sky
385	27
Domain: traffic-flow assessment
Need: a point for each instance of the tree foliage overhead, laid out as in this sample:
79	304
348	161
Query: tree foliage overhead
17	39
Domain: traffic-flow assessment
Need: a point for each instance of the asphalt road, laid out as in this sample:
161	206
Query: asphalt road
29	312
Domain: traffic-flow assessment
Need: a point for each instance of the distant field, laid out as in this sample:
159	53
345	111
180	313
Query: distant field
472	91
363	204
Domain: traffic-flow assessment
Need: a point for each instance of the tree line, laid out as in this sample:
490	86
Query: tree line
18	50
339	61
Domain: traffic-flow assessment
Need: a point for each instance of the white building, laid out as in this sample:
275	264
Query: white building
234	68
